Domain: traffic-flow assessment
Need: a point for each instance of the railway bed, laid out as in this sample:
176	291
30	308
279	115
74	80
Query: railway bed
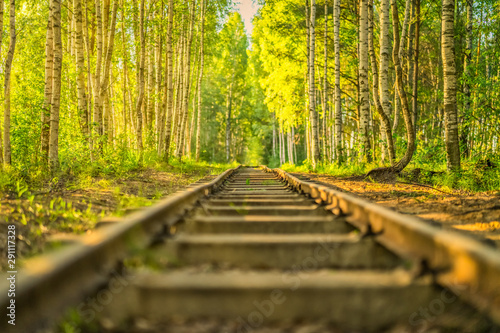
258	250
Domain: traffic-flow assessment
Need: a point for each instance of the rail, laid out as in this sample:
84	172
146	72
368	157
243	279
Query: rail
49	283
455	260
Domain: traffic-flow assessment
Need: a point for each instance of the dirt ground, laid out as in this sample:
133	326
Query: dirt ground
474	214
57	214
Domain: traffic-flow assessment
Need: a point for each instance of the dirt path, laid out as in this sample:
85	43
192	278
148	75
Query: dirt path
475	214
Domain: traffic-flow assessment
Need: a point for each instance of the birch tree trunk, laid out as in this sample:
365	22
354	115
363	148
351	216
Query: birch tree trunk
56	84
388	144
125	72
312	89
86	37
187	85
415	67
169	88
364	98
385	49
273	117
97	121
140	83
401	164
159	110
326	146
306	81
404	32
1	34
8	69
80	69
409	55
49	72
200	80
464	140
103	84
338	103
228	120
151	85
450	86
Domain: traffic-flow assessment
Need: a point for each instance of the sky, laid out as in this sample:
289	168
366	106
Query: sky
247	10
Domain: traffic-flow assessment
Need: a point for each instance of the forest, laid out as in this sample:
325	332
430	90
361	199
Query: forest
349	85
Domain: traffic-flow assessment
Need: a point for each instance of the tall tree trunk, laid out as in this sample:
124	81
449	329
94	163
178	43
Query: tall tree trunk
140	83
80	69
187	85
385	54
325	86
89	81
151	83
404	32
56	84
364	117
409	58
384	114
228	120
200	80
97	121
103	84
273	117
169	88
159	110
338	102
49	72
312	89
415	68
180	88
125	73
306	82
450	85
464	140
1	34
8	69
401	164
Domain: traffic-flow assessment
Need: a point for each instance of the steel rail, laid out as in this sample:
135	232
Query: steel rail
467	267
48	284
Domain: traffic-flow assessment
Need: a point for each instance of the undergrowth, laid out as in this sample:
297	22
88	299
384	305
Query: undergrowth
476	175
75	198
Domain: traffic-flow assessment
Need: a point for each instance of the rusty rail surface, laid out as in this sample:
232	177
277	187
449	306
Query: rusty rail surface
50	283
462	264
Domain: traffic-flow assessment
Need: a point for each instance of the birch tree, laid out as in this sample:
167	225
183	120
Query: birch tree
467	87
80	69
312	88
187	85
200	80
8	69
56	86
450	85
49	72
388	143
1	34
385	98
338	103
141	81
364	98
325	82
410	149
169	88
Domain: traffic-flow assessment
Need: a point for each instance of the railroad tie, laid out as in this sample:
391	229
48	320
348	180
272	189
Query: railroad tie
258	252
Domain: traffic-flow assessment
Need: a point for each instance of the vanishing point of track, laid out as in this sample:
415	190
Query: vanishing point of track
279	249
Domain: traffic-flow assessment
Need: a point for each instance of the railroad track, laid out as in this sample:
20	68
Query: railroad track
258	250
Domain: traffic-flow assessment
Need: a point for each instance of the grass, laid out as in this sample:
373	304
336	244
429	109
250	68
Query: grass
475	176
74	200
